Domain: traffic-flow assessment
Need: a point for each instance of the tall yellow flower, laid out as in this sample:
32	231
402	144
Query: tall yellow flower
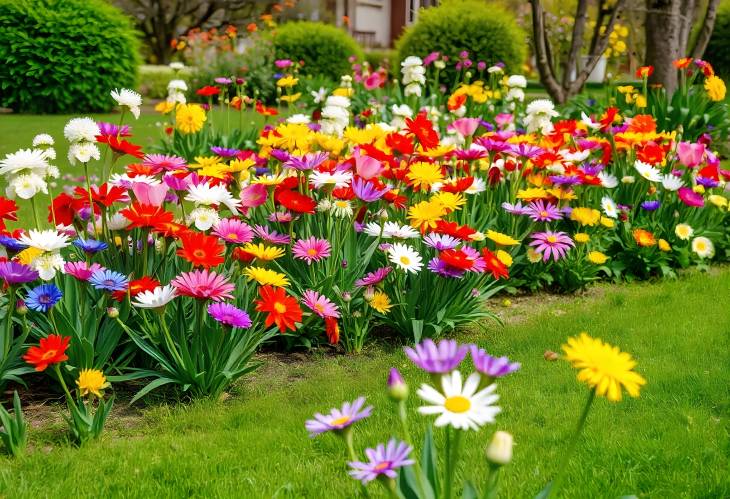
287	81
585	216
425	214
189	118
91	382
715	88
423	175
603	367
381	302
264	253
501	239
452	201
266	276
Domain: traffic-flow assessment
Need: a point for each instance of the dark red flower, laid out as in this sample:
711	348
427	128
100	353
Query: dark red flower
8	209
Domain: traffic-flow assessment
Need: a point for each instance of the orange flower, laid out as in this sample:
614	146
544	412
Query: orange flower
644	237
201	249
682	63
494	265
644	71
51	350
144	215
333	330
282	310
642	123
251	27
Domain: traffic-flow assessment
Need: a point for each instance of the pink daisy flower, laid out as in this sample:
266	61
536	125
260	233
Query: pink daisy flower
311	249
548	243
320	305
203	285
270	236
80	270
232	230
164	162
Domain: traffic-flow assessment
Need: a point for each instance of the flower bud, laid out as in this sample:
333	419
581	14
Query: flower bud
397	387
346	296
112	312
499	450
21	308
369	293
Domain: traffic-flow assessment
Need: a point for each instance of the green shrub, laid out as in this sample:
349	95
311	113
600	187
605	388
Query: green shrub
718	50
153	79
325	49
380	57
485	30
63	56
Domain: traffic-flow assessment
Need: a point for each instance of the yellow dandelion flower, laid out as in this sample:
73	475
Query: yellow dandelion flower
287	81
266	276
91	382
533	256
715	88
262	252
532	193
597	257
343	92
423	175
381	302
501	239
238	165
436	152
452	201
717	200
561	194
290	98
586	216
165	107
608	222
603	367
663	245
504	257
189	118
291	137
205	161
426	214
581	237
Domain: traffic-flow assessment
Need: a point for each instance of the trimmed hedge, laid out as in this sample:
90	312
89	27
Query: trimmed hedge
64	56
325	49
487	31
718	50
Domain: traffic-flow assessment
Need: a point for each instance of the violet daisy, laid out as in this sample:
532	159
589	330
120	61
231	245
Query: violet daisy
112	129
540	211
515	209
441	242
309	161
227	314
17	273
165	162
90	246
204	285
233	230
651	205
270	236
548	243
439	358
366	190
224	152
439	267
374	277
320	305
338	419
494	367
311	249
109	280
382	460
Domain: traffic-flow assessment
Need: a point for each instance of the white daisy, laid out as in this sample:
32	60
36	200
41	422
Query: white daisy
81	130
401	231
124	180
609	207
477	186
648	172
176	66
157	298
44	240
47	265
24	160
299	119
118	222
43	139
703	247
129	98
460	406
405	257
684	231
671	182
83	152
177	86
324	205
26	186
375	229
342	208
204	218
337	179
514	81
49	154
607	180
206	194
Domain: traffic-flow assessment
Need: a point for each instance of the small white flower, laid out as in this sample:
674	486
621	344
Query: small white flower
83	152
24	160
177	86
703	247
412	89
206	194
81	130
495	69
128	98
26	186
204	218
124	180
49	154
47	265
118	222
42	139
607	180
157	298
177	66
299	119
403	110
684	231
341	208
337	179
477	186
393	229
671	182
648	172
319	95
405	257
516	81
609	207
44	240
628	179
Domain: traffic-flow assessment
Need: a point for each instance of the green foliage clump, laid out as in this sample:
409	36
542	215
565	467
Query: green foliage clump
485	30
718	50
325	49
64	56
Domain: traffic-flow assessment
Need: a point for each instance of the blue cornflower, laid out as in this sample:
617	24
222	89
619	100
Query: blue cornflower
12	244
650	205
43	297
90	245
109	280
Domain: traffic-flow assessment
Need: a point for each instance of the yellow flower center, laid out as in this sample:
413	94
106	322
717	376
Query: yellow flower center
232	235
457	404
49	354
552	239
543	213
405	260
279	307
340	421
311	252
381	466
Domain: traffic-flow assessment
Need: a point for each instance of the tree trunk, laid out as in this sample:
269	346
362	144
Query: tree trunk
703	38
663	30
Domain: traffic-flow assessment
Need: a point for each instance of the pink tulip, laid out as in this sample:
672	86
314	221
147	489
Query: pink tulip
153	195
466	126
690	155
373	81
367	167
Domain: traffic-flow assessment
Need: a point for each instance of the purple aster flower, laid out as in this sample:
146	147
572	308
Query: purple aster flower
367	191
439	267
227	314
374	277
471	154
309	161
42	298
494	367
382	461
492	145
515	209
525	150
111	129
439	358
540	211
17	273
706	181
548	243
224	152
108	280
650	205
90	246
565	179
221	80
280	155
338	419
441	242
270	236
12	244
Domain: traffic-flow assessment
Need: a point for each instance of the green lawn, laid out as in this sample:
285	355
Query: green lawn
671	442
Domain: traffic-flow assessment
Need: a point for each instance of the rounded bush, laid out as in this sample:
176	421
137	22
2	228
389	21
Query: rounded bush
718	50
485	30
325	49
64	56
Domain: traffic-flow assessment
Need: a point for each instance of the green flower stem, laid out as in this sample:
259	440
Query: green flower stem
571	448
8	339
347	435
390	486
492	482
403	416
91	199
452	453
69	399
35	213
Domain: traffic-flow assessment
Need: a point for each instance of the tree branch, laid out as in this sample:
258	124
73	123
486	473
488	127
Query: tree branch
708	25
576	42
544	67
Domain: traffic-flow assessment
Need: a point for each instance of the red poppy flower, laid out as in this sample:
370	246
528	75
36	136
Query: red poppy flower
201	249
136	287
65	208
608	118
422	128
265	111
51	350
105	195
453	229
121	146
208	91
294	201
144	215
460	185
645	71
332	329
282	310
651	153
399	143
8	209
141	169
494	265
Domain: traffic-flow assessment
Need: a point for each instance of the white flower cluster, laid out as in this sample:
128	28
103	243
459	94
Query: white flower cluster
27	171
414	75
400	113
81	133
176	92
49	243
128	98
540	113
335	115
516	85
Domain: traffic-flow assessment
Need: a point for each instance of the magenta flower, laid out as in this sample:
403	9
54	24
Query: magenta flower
320	305
17	273
80	270
270	236
227	314
689	154
431	58
204	285
177	183
548	243
541	211
224	152
338	419
233	230
252	196
164	162
439	358
439	267
112	129
690	197
153	195
374	277
283	63
309	161
494	367
367	167
311	249
382	461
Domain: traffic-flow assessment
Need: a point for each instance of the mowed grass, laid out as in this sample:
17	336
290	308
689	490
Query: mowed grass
671	442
